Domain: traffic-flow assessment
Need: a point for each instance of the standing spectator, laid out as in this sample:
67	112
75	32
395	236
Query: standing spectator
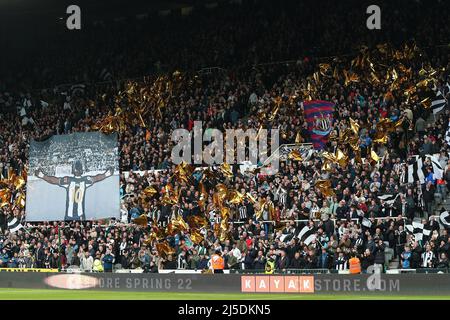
406	257
341	262
379	255
87	261
108	260
428	257
367	260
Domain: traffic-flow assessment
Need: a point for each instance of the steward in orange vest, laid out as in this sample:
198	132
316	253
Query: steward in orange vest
217	262
355	265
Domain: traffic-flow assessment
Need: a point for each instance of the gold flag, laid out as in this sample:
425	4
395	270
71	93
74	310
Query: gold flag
141	220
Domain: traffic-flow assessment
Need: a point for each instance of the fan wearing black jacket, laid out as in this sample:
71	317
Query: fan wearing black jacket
298	262
367	260
283	261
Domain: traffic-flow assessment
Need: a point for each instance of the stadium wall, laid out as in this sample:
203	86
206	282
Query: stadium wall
395	284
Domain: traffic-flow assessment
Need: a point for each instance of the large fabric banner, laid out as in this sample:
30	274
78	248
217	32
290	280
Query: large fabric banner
73	177
319	116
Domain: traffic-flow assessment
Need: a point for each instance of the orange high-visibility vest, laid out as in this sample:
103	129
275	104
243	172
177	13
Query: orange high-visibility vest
355	265
217	262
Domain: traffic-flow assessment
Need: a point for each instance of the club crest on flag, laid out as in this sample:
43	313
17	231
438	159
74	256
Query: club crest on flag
322	124
319	117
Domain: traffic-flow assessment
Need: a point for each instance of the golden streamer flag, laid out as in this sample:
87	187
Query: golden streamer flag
235	197
374	79
382	140
426	103
410	91
327	166
216	229
150	239
225	212
209	174
224	235
141	220
259	208
423	83
324	186
164	249
217	201
224	225
341	158
20	200
298	138
374	156
156	234
222	192
329	156
226	170
13	184
149	191
334	158
197	222
186	168
295	155
355	126
398	123
180	223
170	197
5	197
250	198
203	195
18	182
203	190
196	236
316	77
324	68
383	128
350	77
171	229
183	172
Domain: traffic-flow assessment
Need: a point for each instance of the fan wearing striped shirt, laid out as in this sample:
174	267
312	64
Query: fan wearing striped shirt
428	257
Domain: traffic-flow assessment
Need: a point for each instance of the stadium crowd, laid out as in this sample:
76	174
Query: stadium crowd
234	98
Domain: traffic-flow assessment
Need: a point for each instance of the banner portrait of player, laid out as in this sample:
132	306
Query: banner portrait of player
73	177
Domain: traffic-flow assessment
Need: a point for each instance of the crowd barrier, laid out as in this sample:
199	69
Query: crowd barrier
323	284
28	270
227	271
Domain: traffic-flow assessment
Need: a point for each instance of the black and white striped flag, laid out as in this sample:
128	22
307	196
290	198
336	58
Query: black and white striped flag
242	212
417	171
14	225
414	172
438	171
444	218
447	134
366	223
438	103
418	230
389	199
307	235
285	237
446	89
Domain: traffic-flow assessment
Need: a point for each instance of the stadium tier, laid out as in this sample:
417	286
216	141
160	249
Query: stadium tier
247	137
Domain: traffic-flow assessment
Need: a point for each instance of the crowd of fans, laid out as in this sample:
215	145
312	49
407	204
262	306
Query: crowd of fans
234	98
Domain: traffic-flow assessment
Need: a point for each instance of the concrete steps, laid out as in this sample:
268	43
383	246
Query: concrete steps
394	264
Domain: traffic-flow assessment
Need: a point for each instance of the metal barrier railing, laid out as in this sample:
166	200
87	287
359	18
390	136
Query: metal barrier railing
286	271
